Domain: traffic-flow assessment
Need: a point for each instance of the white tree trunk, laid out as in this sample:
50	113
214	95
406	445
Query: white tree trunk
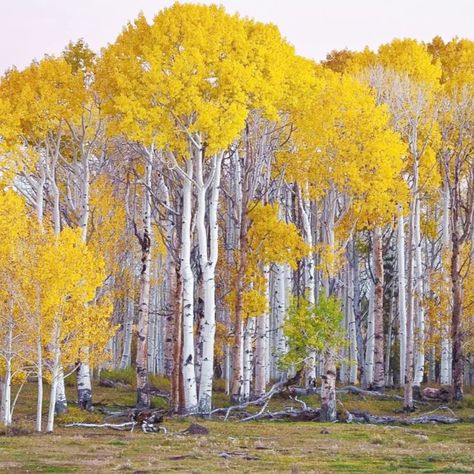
305	208
39	400
353	369
126	357
280	306
208	260
419	291
261	344
369	355
61	400
446	353
7	385
189	377
143	397
402	309
249	335
54	377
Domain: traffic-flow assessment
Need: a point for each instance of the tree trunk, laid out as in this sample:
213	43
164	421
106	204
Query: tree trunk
54	377
402	310
189	377
39	399
408	384
126	358
328	387
208	266
261	352
379	376
456	324
143	397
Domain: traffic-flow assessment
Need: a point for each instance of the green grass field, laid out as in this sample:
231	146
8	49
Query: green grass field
234	446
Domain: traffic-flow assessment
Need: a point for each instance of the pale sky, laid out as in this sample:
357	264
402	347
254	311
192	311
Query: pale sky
31	28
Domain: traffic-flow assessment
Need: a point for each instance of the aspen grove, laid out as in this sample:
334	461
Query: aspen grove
198	201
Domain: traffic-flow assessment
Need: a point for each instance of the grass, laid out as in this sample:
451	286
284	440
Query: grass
239	447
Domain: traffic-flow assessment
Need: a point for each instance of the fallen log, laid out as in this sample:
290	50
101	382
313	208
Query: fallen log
362	417
113	426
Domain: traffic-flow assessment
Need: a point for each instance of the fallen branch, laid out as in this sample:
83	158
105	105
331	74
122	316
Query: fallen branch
276	388
362	417
257	415
113	426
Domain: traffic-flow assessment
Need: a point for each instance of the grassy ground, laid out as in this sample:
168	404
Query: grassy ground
251	447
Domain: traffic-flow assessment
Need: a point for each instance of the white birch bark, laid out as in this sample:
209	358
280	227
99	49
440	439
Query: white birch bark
189	377
125	359
353	368
143	397
280	305
7	380
39	374
249	335
208	260
261	344
402	310
54	377
370	346
446	361
305	208
419	289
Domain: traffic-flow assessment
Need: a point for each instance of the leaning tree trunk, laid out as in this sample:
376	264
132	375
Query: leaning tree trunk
379	376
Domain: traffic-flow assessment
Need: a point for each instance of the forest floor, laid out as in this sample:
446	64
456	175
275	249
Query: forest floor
233	446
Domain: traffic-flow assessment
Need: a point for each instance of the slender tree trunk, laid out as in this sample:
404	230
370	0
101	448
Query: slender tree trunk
176	375
305	209
249	334
237	347
446	361
39	399
54	377
7	388
189	377
456	324
61	400
370	345
126	357
143	396
402	310
408	384
208	266
379	376
356	305
419	293
261	343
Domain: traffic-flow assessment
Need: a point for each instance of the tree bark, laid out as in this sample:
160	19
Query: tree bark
143	397
379	376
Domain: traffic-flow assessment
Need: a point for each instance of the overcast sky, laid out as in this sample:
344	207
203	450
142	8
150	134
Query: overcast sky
31	28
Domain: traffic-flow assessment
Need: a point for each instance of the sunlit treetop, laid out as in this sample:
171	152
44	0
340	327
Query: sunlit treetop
194	71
